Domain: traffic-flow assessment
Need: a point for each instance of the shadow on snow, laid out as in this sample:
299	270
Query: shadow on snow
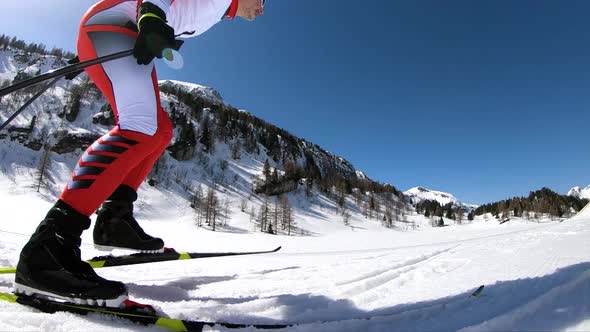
552	302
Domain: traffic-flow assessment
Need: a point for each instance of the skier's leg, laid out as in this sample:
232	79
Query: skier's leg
50	263
141	171
143	127
134	95
115	225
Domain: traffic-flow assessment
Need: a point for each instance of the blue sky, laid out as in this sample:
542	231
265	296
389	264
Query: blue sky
483	99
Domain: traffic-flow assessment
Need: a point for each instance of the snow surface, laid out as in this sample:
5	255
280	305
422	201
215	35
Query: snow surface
365	277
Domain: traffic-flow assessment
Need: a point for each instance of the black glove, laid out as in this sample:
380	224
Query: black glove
154	34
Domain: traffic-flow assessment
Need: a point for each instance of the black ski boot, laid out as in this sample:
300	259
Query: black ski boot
116	228
50	264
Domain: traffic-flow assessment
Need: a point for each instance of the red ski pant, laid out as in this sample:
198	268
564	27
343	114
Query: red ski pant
126	154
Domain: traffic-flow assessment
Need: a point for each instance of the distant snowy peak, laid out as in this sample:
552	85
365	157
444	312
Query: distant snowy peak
580	192
195	89
419	194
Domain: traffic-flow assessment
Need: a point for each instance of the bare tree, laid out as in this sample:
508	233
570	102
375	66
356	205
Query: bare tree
287	220
235	149
309	187
459	215
44	164
358	197
198	204
252	213
212	208
341	193
372	205
525	215
276	213
366	209
388	216
398	210
346	217
243	205
226	213
263	216
44	161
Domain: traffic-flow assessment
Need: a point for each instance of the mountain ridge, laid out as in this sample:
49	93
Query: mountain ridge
419	194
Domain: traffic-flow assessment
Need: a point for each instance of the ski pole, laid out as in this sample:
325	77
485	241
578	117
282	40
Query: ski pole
71	71
69	76
76	67
29	102
63	71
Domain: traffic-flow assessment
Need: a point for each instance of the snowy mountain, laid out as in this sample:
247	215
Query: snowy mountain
214	145
419	194
196	90
186	102
580	192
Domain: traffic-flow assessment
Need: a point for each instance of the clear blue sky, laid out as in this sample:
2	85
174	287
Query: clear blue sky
484	99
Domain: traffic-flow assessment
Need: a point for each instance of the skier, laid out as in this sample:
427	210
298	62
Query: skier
113	167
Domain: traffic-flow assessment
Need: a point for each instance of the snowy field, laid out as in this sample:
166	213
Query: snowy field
360	278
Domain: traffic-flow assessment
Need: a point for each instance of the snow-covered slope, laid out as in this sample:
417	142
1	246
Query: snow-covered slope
580	192
14	61
45	110
419	194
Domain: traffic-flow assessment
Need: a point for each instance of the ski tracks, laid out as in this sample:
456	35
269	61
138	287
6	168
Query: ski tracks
292	285
391	277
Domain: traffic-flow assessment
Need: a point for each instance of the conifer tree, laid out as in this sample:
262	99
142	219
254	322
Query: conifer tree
206	135
266	172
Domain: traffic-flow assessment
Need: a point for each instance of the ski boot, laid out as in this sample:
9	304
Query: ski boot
117	228
50	264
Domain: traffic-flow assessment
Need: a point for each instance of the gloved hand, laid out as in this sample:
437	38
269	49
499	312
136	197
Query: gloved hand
154	34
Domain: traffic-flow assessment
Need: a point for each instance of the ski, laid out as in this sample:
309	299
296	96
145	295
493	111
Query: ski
478	291
144	258
136	313
147	315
